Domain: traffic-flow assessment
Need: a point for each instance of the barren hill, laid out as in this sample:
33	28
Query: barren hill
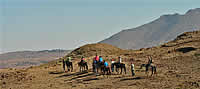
159	31
99	49
29	58
178	67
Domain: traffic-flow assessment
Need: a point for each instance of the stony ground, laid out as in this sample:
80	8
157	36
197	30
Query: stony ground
178	64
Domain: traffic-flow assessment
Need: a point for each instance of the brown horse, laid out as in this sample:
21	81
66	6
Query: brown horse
83	66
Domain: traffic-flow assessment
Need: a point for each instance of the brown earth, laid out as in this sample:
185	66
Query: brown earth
178	67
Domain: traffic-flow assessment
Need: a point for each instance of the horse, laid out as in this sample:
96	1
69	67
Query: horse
98	66
149	65
69	65
119	65
83	66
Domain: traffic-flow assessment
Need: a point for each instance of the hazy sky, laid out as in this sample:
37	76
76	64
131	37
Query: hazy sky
67	24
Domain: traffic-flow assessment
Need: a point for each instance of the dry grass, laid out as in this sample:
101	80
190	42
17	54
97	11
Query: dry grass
176	69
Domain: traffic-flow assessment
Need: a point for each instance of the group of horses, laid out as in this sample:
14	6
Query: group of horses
99	67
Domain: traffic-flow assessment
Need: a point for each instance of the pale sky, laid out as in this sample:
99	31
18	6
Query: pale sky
68	24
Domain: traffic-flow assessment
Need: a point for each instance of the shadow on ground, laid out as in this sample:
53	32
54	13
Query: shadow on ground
56	72
73	74
136	78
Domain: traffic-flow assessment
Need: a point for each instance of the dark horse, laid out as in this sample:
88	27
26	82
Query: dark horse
119	65
69	65
149	65
100	66
83	66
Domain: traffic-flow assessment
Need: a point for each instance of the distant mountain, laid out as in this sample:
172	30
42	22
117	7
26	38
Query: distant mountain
29	58
166	28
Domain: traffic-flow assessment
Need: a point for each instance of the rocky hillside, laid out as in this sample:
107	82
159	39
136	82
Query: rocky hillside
29	58
162	30
177	68
93	49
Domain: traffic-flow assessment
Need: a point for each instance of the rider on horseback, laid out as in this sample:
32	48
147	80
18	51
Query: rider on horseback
106	64
83	60
69	59
119	60
96	58
100	59
106	67
150	59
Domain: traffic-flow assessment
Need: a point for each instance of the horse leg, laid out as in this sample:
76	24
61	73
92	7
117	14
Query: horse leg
83	68
109	71
125	69
152	70
93	68
117	70
86	66
80	68
121	70
147	71
68	67
155	70
71	67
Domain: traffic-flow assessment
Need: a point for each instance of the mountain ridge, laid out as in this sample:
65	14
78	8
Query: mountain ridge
161	30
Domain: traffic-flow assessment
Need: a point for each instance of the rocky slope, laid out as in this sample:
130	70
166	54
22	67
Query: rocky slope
177	68
163	29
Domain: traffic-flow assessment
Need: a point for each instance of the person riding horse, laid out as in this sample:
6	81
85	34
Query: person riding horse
118	65
101	63
95	63
83	60
83	64
68	63
106	68
149	65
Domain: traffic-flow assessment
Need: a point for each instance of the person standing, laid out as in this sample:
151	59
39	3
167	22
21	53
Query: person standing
112	64
132	69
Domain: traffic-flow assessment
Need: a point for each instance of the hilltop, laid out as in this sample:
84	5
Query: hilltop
93	49
177	64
